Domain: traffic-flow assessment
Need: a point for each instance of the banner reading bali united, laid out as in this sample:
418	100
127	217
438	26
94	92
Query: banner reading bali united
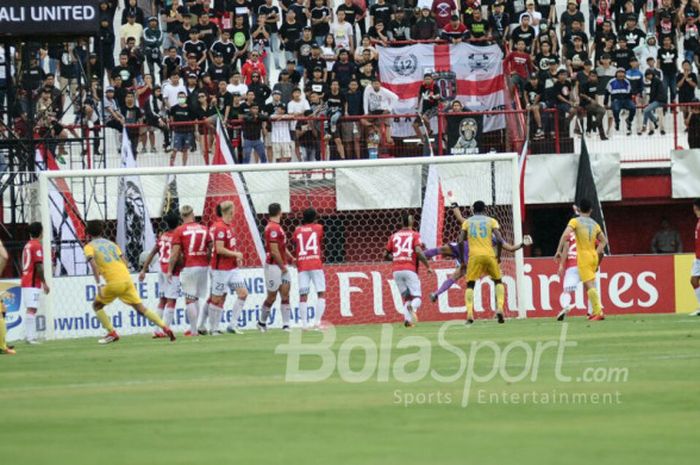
468	73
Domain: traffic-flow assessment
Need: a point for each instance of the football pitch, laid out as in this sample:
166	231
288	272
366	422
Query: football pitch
625	393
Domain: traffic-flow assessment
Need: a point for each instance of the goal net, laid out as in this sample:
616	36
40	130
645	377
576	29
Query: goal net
359	204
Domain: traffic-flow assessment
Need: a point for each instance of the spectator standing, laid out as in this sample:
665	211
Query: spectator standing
253	127
321	18
272	17
183	134
655	100
666	239
425	27
341	30
290	33
130	29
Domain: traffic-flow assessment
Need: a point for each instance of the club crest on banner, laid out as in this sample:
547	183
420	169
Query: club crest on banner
467	142
478	62
405	65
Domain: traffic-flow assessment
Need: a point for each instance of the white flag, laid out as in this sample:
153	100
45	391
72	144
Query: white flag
134	228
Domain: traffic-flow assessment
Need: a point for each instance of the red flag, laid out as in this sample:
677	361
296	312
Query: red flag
231	186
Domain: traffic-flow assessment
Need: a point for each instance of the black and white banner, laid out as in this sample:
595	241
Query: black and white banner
49	17
134	228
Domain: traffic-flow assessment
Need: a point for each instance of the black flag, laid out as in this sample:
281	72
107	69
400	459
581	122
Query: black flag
171	200
586	189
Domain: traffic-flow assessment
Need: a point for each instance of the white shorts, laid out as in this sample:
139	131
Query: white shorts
221	280
694	272
30	297
274	277
168	289
194	281
408	283
311	276
571	279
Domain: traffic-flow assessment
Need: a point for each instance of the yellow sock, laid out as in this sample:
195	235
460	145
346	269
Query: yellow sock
154	318
595	300
3	332
469	299
104	319
500	297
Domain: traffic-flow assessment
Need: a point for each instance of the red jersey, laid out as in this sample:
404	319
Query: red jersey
308	241
221	231
165	246
571	251
193	239
274	234
697	240
402	245
31	257
519	63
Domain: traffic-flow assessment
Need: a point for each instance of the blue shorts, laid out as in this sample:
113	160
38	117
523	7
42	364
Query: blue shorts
183	140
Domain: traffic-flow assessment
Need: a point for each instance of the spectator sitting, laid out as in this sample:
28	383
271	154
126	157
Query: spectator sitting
619	90
666	240
454	31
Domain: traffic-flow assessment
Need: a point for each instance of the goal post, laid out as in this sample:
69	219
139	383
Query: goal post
359	203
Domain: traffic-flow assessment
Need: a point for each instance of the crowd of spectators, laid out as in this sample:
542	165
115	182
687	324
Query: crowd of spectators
262	65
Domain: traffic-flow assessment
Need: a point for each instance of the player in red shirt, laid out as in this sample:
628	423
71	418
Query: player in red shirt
168	290
4	348
308	244
695	273
192	240
427	106
32	281
277	277
225	275
404	249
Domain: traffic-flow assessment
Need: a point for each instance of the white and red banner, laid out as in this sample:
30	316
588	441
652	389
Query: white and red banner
68	228
469	73
231	186
432	216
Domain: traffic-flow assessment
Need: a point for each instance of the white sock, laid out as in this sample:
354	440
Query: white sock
565	299
169	316
303	306
264	314
159	311
204	316
286	313
30	326
237	308
320	308
697	294
192	315
214	317
407	314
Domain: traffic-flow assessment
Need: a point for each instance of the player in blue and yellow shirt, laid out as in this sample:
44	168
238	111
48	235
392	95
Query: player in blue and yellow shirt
4	348
481	231
106	260
590	244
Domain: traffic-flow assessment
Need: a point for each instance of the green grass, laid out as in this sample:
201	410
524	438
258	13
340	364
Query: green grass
225	400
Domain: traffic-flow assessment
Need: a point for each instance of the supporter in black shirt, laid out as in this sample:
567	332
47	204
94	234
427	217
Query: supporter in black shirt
302	13
124	71
224	100
183	134
218	71
225	47
478	27
336	109
208	31
290	33
523	32
352	12
400	27
425	27
571	14
668	59
632	34
316	83
313	61
381	12
252	130
344	70
320	20
303	47
261	90
622	56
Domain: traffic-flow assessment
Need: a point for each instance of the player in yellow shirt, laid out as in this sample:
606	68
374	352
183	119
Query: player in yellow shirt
106	260
481	231
590	244
4	348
